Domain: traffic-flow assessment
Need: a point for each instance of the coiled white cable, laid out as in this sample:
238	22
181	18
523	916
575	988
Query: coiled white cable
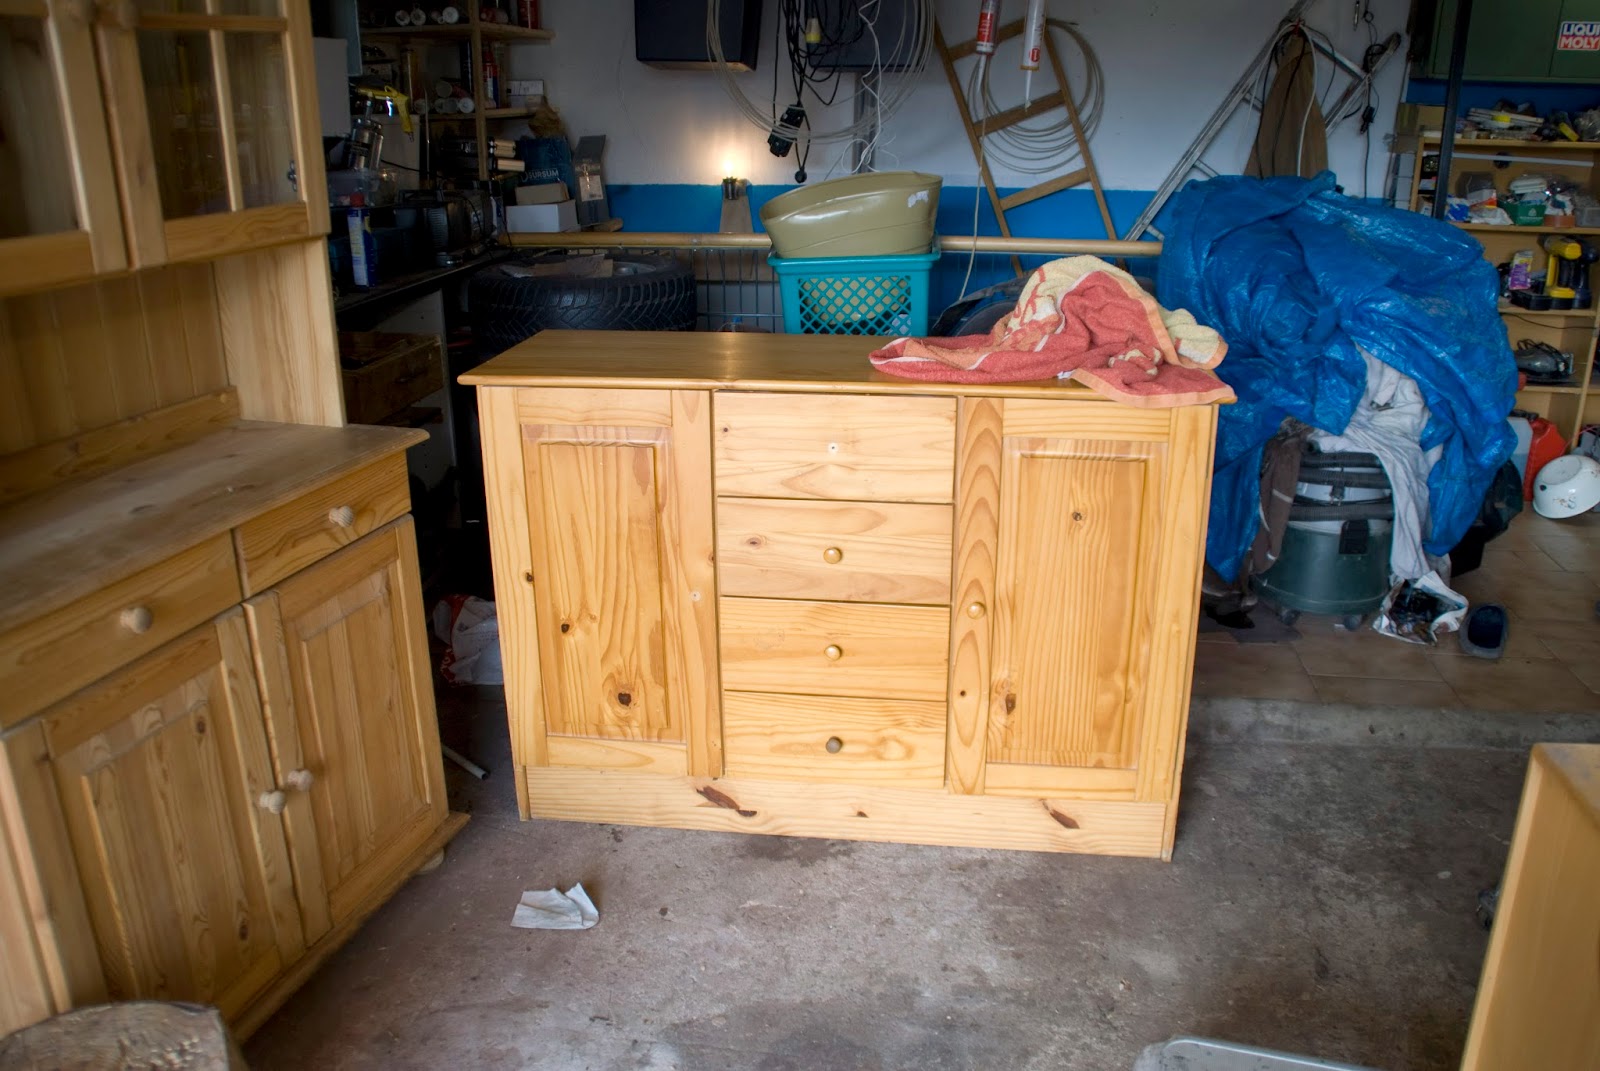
1044	146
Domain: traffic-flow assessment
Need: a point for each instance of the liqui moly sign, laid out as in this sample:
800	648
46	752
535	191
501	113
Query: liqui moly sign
1578	37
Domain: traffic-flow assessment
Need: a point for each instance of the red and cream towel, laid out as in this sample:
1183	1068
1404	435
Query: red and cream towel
1083	319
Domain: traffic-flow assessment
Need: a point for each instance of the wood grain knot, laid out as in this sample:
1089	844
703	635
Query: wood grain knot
1077	516
861	814
1011	702
1066	820
527	578
244	931
566	626
722	799
200	727
625	698
754	541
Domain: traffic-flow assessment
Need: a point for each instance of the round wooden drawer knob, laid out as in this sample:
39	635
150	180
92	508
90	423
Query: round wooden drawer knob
342	516
834	745
272	802
832	652
833	555
976	610
138	619
300	780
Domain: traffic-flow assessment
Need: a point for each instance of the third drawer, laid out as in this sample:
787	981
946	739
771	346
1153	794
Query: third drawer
833	738
826	648
853	551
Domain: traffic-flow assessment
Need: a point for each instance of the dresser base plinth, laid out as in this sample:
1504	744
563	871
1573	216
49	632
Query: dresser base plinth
848	812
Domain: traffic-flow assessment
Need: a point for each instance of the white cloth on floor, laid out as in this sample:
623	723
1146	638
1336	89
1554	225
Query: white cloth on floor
1388	423
555	910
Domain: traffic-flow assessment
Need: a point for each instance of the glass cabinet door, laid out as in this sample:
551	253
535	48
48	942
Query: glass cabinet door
219	119
58	210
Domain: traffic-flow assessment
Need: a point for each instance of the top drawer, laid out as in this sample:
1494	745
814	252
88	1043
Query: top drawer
283	541
876	448
52	657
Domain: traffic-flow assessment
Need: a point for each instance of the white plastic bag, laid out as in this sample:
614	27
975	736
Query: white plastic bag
468	624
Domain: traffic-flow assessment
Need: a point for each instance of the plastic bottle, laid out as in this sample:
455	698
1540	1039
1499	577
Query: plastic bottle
491	79
363	248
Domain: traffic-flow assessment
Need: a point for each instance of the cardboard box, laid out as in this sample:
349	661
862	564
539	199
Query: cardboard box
525	92
1414	119
561	216
542	193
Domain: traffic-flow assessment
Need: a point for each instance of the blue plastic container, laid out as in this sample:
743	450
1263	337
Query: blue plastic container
855	295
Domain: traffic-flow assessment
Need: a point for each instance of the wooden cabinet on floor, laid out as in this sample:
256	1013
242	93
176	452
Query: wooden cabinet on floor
212	814
943	614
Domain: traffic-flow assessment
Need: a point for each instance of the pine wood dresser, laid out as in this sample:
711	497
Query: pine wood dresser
747	583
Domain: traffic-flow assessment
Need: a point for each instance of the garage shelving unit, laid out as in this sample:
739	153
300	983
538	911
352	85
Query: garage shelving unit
1570	330
474	33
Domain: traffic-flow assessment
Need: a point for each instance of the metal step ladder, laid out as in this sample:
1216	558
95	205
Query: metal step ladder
1244	92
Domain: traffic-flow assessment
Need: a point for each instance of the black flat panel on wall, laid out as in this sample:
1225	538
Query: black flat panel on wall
672	33
861	35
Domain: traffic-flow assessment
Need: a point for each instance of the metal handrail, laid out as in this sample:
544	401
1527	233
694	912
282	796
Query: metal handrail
948	243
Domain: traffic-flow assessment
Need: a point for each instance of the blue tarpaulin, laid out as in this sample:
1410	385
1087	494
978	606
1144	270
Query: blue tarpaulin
1296	276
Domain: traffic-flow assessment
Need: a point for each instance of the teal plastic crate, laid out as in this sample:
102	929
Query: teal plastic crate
855	295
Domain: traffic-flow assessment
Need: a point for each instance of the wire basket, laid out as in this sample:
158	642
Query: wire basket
855	295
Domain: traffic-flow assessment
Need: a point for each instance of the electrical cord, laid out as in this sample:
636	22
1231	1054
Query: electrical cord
811	76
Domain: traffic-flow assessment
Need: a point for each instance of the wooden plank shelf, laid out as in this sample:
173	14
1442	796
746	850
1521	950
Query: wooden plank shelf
1506	143
1496	228
491	31
1552	315
490	114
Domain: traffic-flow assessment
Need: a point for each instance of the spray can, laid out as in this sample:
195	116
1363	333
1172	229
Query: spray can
988	27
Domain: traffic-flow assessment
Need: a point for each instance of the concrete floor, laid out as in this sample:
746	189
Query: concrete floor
1320	901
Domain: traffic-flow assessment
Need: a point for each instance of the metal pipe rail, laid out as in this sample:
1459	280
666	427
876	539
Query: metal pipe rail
948	243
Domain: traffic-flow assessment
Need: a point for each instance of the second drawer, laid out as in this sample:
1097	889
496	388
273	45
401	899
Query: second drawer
854	551
829	648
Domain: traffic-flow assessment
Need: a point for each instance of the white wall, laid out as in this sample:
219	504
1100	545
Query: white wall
1168	63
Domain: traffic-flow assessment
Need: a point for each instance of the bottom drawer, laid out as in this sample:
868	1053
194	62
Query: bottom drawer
828	738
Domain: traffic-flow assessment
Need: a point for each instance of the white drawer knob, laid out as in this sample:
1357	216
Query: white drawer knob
834	745
342	516
300	780
832	652
137	619
833	555
272	802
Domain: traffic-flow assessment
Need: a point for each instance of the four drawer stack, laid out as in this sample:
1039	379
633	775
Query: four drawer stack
834	529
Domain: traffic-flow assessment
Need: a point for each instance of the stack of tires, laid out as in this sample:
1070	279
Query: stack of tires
507	303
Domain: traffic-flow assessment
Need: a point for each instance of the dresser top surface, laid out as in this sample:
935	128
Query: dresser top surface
60	545
679	360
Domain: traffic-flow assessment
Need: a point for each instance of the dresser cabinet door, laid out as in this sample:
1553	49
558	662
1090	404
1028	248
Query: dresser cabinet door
169	802
601	502
344	671
1076	574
